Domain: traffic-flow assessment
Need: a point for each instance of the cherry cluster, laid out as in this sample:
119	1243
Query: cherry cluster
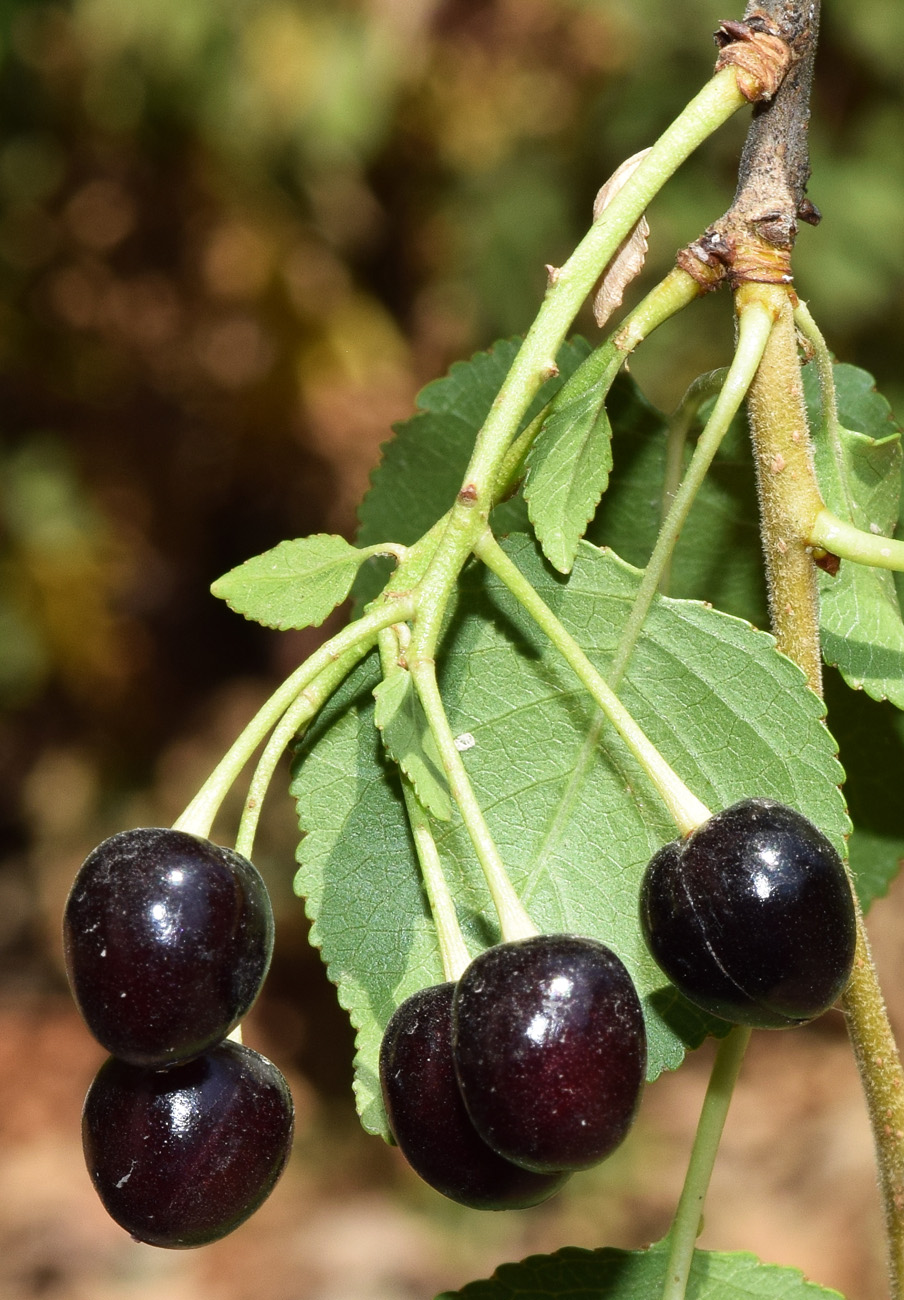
529	1067
168	938
751	916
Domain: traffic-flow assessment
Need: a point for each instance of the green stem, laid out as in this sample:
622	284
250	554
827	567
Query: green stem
789	494
199	815
754	326
306	706
536	360
673	293
685	1229
882	1077
850	543
797	632
684	807
453	952
698	392
514	922
571	283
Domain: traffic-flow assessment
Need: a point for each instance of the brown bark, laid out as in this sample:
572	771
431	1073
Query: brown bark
753	240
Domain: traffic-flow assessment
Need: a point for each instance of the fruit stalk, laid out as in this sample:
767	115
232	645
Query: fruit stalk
454	953
681	422
514	922
754	326
334	660
455	956
686	1225
291	724
685	809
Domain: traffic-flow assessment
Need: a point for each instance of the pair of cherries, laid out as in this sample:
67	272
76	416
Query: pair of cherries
498	1086
168	938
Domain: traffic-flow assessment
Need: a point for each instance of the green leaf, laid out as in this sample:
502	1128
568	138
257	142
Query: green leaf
718	557
574	816
399	715
567	472
297	584
575	1274
870	735
860	479
422	467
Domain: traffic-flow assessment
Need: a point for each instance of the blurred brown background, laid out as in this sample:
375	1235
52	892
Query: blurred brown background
235	239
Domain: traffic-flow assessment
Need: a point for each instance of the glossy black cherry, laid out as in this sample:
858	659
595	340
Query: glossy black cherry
550	1050
428	1118
180	1157
751	917
167	940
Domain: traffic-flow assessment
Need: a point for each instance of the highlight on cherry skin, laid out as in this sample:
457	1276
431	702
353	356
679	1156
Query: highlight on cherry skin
428	1118
751	916
167	940
181	1157
550	1050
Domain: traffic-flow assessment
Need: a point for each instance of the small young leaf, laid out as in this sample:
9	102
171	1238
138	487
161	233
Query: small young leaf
568	469
399	715
574	816
297	584
608	1274
860	480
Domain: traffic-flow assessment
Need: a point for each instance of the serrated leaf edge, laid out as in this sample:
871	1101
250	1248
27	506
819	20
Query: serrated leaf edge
354	559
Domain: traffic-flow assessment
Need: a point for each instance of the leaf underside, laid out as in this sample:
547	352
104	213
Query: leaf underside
571	812
608	1274
296	584
400	717
568	469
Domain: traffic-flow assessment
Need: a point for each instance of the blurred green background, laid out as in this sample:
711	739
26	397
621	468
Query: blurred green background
236	236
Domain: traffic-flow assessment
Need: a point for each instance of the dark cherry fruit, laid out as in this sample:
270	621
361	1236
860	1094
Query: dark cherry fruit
180	1157
428	1118
167	939
550	1050
751	916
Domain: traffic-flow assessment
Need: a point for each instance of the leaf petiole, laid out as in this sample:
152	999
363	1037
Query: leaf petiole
848	542
828	398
